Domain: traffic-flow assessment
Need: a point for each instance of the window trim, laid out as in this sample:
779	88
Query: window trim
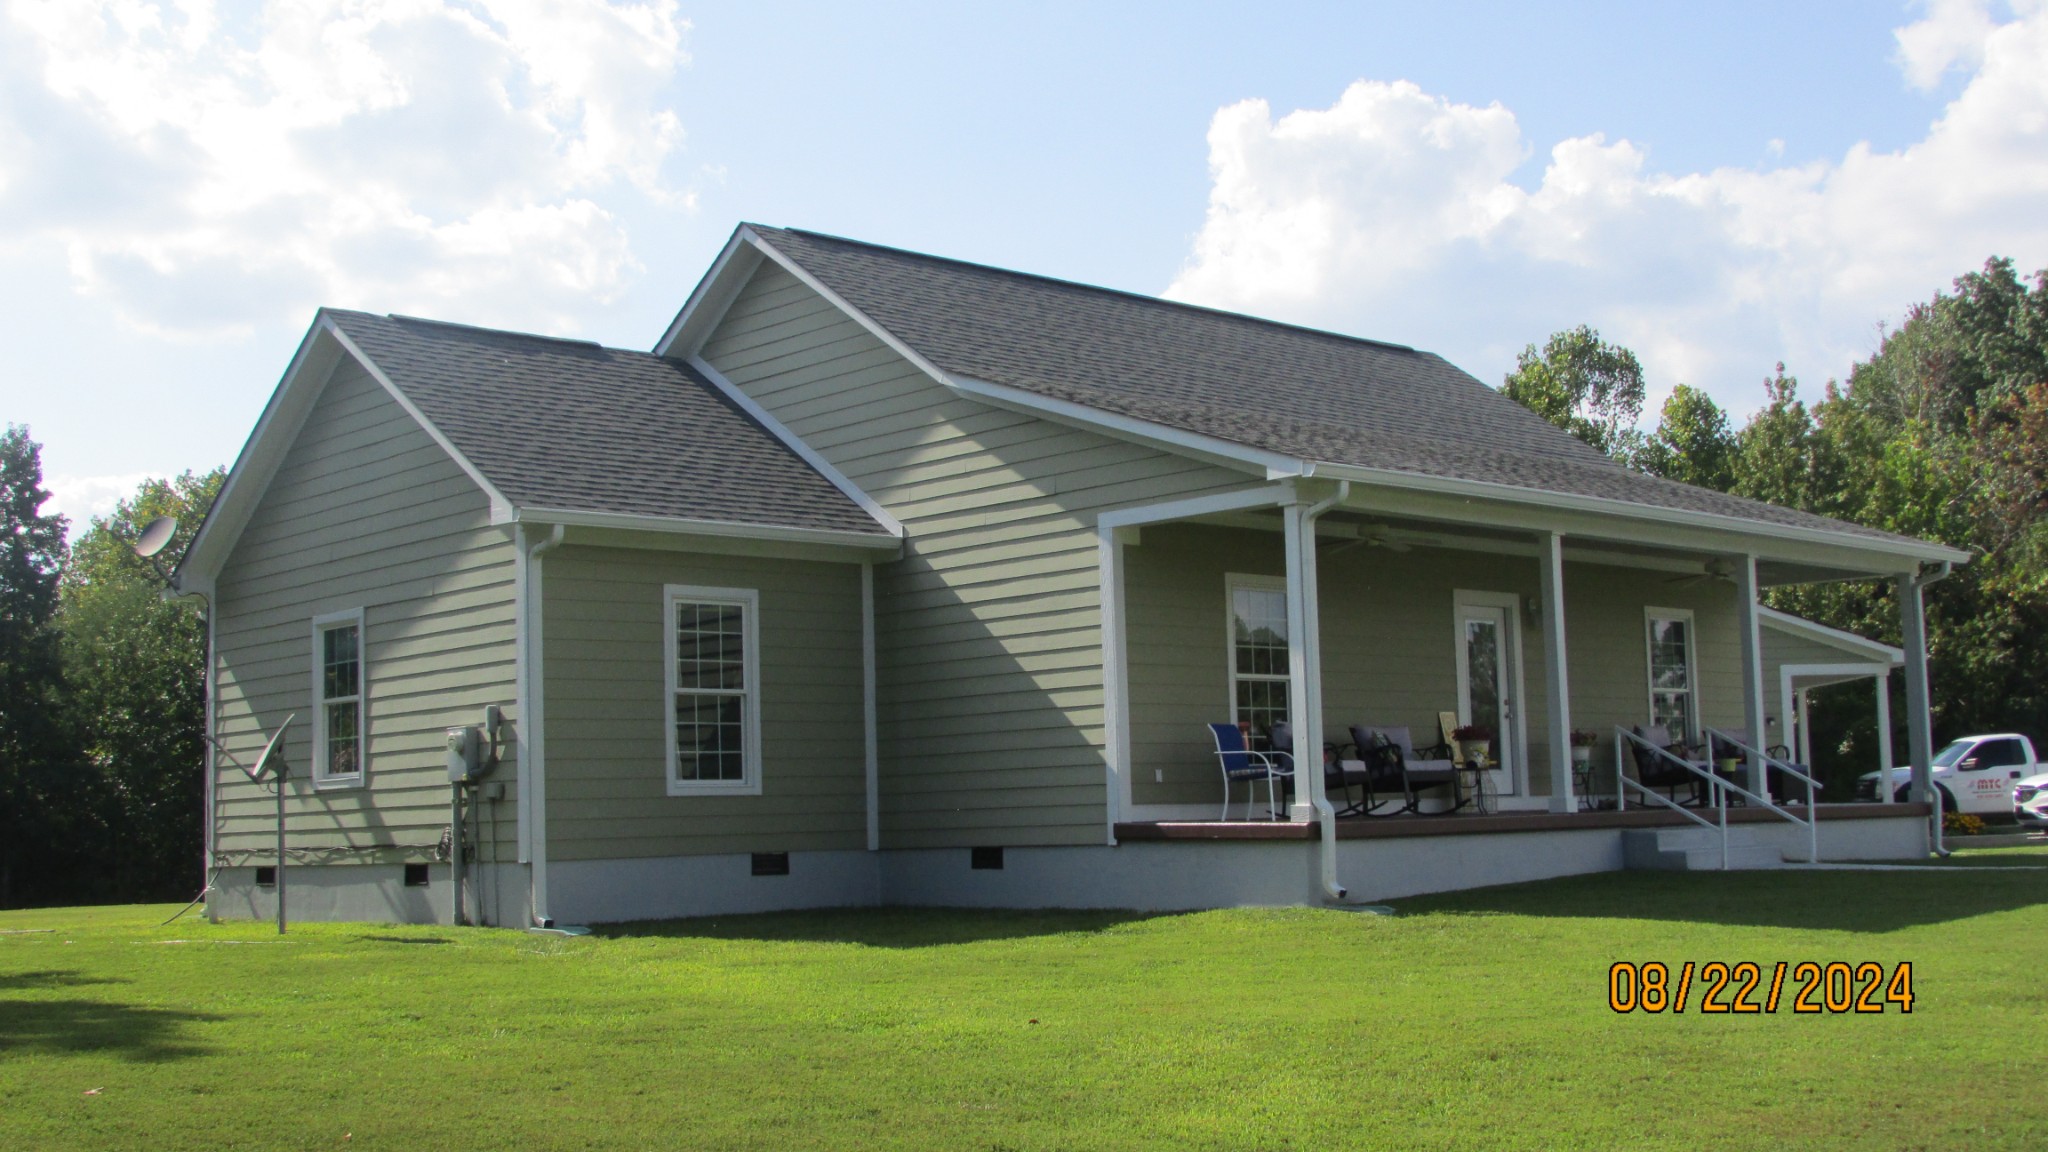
749	602
1696	721
1232	581
323	779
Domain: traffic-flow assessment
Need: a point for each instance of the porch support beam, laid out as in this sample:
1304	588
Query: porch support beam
1919	721
1884	735
1550	566
1746	628
1304	671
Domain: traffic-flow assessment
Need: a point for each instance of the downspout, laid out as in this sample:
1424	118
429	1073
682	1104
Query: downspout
1312	781
1923	581
536	756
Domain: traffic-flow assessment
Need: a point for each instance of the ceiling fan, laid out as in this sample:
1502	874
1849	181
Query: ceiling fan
1714	569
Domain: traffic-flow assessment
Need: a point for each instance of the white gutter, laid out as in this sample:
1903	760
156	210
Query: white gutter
1312	781
532	726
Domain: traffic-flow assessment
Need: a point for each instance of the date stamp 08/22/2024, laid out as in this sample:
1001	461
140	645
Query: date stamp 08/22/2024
1806	987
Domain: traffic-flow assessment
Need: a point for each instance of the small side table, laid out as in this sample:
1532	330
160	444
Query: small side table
1480	795
1582	783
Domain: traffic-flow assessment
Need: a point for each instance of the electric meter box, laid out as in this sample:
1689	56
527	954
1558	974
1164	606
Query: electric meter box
463	757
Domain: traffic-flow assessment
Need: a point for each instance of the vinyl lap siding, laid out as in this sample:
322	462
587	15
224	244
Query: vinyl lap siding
365	512
989	629
1389	639
602	613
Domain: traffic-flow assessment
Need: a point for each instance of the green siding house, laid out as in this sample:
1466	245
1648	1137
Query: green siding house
885	578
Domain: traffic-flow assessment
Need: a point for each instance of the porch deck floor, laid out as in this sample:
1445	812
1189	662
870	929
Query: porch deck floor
1462	824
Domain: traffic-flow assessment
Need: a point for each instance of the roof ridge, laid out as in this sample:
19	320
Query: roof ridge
1161	301
488	331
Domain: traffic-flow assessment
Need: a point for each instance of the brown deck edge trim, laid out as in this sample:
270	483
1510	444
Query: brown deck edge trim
1394	827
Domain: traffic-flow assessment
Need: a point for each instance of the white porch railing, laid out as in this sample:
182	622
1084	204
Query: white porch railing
1812	821
1624	737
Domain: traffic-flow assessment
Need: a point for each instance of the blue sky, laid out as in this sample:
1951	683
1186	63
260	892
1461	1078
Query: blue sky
1721	187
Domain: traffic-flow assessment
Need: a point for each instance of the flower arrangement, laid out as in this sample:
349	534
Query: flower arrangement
1584	739
1472	732
1961	824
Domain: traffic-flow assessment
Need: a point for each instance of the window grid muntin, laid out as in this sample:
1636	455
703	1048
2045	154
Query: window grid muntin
1673	702
1259	665
712	667
340	740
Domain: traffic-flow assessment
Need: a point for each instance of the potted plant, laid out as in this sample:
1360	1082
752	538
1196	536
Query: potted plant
1474	740
1582	746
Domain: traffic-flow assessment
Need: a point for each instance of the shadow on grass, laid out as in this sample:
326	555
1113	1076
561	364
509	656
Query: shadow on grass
406	939
881	927
51	978
74	1026
1836	901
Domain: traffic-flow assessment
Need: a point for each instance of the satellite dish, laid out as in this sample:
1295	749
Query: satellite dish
155	536
262	763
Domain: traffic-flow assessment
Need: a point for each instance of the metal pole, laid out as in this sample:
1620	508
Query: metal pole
455	852
281	776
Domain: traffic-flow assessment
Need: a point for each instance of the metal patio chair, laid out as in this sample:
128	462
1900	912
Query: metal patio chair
1241	763
1658	772
1388	749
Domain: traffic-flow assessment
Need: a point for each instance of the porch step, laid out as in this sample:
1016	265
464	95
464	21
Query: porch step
1695	850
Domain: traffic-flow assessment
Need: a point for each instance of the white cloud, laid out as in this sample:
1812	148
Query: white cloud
1394	213
80	498
206	171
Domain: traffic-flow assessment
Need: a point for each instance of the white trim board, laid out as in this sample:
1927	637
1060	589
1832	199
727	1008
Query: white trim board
676	525
794	443
1835	638
748	600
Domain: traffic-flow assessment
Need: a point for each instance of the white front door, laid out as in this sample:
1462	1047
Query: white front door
1487	661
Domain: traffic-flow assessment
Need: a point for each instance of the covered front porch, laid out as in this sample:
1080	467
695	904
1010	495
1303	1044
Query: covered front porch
1333	606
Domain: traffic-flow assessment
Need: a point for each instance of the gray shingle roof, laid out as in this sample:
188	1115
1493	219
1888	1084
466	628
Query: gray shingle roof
1295	391
565	424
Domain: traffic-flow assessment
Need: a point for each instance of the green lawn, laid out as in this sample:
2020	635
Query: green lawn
1477	1020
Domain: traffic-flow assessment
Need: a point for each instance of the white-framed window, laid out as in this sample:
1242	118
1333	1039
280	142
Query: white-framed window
340	717
713	652
1674	671
1257	611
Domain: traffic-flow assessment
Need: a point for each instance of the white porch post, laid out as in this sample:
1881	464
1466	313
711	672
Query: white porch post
1884	736
1304	662
1752	667
1806	730
1919	723
1550	565
1116	688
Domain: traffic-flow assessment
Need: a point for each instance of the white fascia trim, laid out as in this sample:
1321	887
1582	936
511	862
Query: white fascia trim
677	526
1264	496
790	440
204	568
837	301
1600	505
1274	465
1832	637
501	508
714	285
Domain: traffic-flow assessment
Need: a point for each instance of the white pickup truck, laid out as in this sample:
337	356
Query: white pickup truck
1976	774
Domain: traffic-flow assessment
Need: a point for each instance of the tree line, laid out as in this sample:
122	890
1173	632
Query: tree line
1941	433
102	689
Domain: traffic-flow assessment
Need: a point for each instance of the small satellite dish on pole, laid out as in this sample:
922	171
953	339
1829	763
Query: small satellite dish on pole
263	764
155	536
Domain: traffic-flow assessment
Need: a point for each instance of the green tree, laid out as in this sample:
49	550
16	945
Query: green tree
33	743
1693	442
1584	385
135	667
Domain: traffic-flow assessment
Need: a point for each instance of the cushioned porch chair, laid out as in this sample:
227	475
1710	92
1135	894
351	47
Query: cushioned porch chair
1241	763
1653	771
1336	777
1389	749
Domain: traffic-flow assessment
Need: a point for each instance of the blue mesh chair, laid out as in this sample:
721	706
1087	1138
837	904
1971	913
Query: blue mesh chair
1241	763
